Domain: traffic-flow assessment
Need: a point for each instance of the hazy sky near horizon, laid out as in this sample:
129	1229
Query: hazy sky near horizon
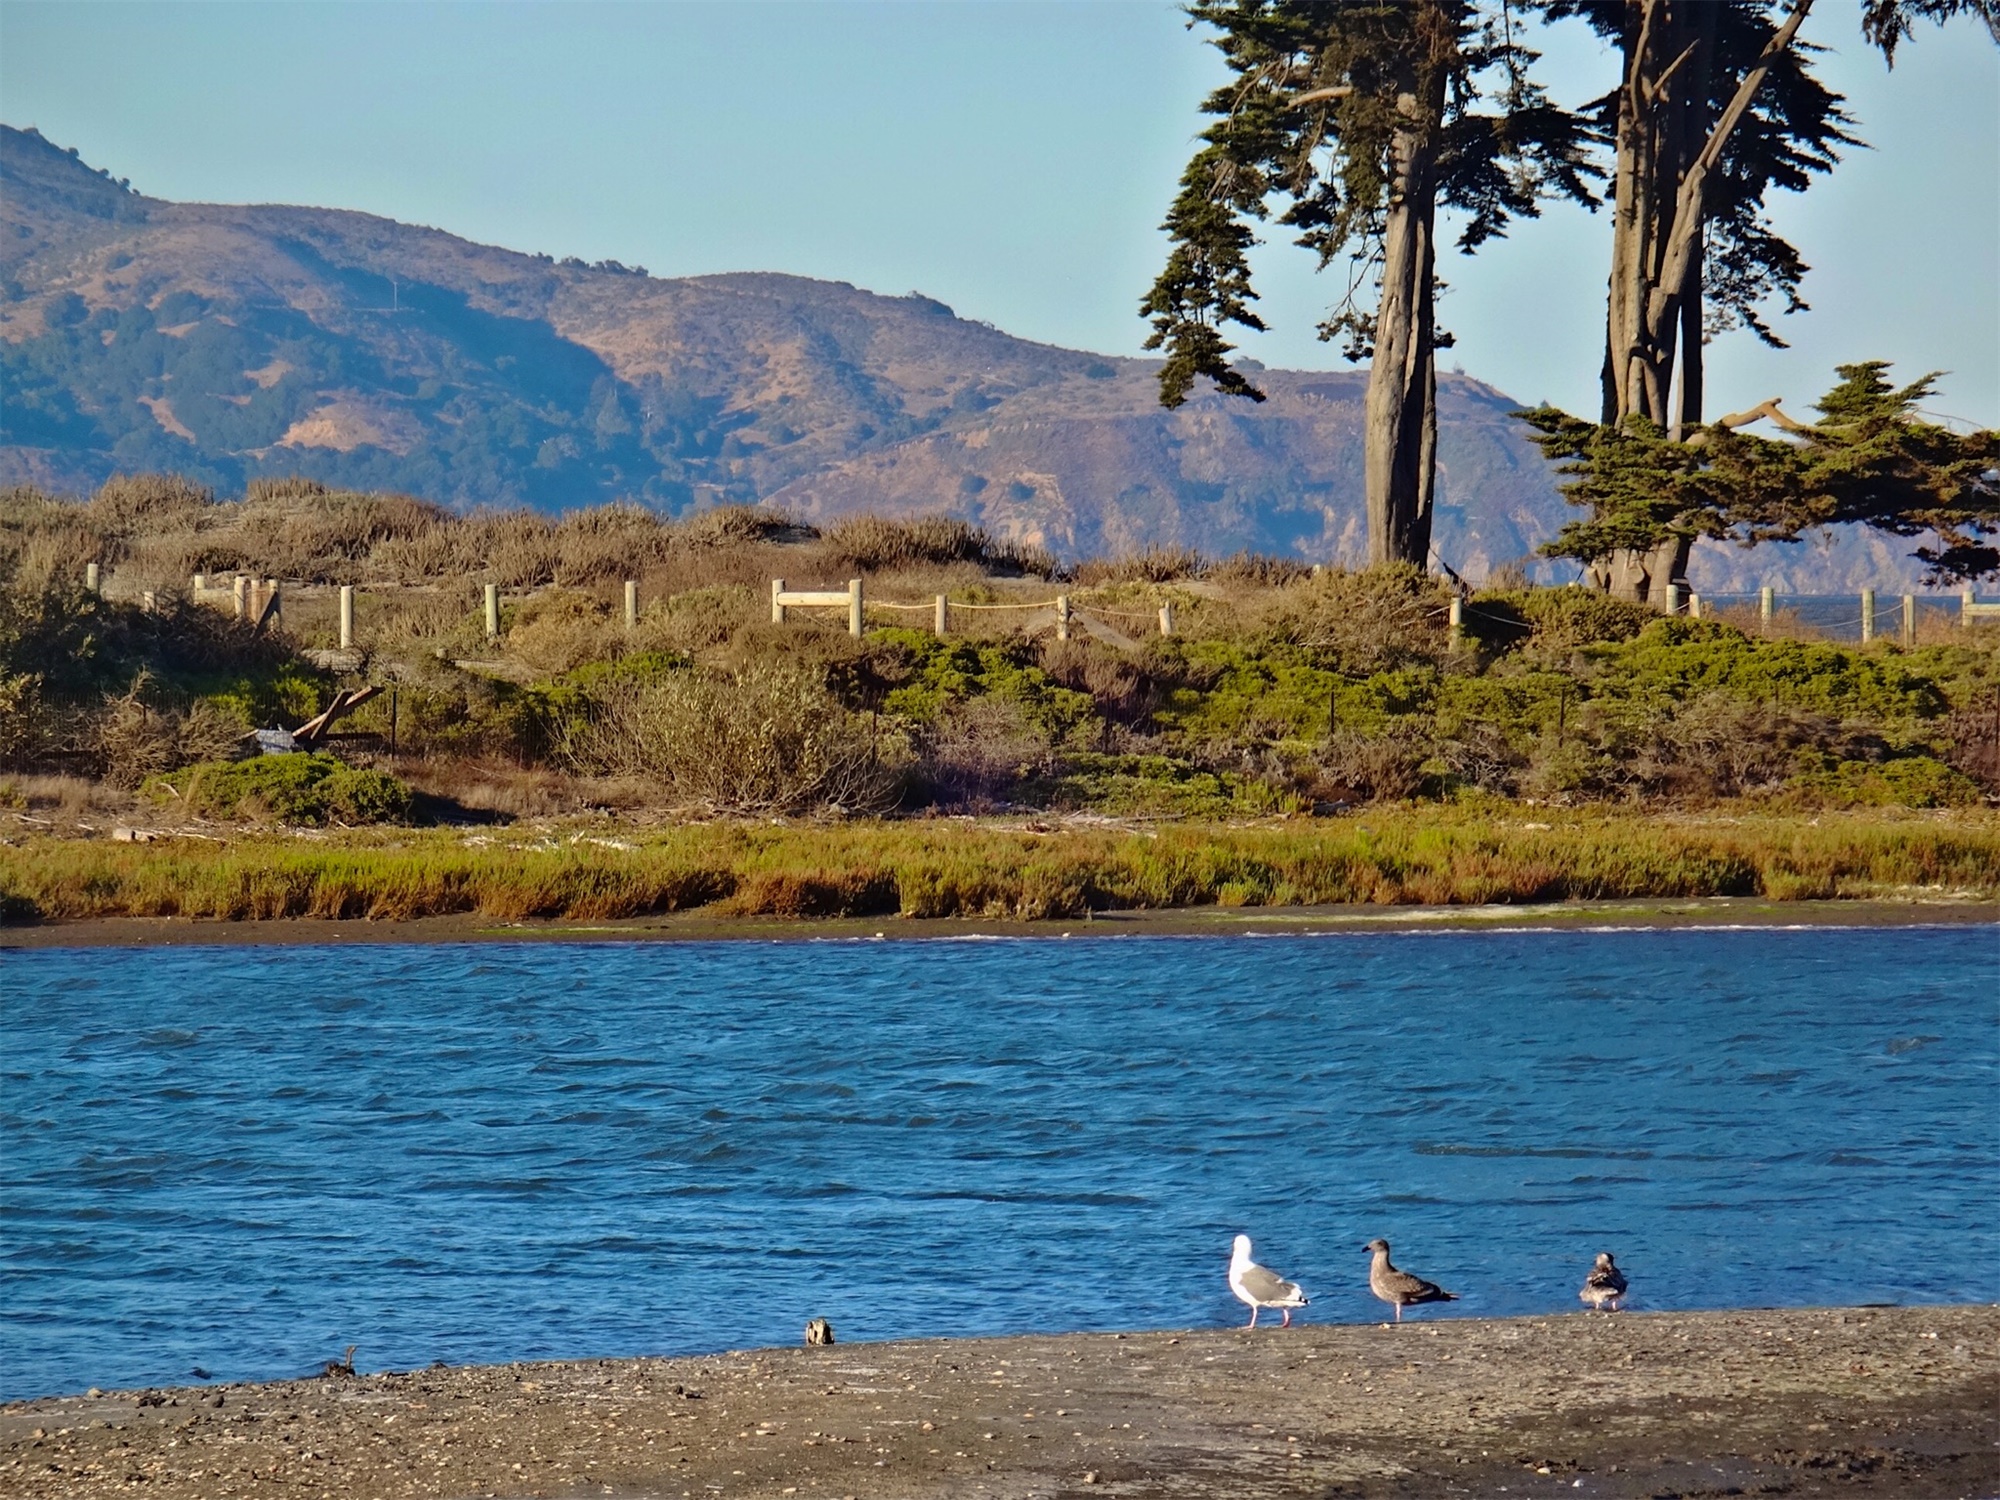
1010	157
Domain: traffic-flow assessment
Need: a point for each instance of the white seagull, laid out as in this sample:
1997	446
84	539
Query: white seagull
1258	1287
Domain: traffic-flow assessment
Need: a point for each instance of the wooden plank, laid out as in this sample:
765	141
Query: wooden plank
815	599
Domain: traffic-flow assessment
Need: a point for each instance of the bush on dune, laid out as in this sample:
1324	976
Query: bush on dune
298	789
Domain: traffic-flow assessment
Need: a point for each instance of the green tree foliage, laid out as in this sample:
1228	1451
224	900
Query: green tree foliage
1352	121
1714	106
1869	459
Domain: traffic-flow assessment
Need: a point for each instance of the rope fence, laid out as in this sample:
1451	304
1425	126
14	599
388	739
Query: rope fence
260	601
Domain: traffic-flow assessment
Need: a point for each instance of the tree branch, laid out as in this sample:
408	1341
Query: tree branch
1756	413
1688	201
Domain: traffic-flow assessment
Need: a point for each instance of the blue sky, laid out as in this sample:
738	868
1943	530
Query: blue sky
1010	157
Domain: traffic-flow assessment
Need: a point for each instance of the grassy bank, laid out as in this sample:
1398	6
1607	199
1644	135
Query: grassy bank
939	868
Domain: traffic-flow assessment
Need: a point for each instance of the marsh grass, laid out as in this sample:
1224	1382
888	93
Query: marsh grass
951	868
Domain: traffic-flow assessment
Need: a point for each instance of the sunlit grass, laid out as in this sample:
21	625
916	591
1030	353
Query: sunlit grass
936	868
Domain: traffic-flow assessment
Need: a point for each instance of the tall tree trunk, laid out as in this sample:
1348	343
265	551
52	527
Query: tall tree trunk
1667	148
1401	438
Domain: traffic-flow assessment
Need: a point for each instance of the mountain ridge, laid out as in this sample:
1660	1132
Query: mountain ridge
230	342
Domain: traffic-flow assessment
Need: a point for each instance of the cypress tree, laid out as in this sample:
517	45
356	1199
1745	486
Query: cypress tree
1353	121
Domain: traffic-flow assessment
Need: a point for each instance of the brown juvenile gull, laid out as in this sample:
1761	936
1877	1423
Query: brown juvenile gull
1259	1287
1605	1283
1399	1288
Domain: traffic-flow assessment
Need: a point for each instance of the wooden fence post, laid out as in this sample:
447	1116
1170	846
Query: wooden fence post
148	601
492	611
90	577
1062	617
1767	599
1457	622
1867	616
1167	618
346	616
200	582
1909	619
1694	605
239	588
854	608
1673	598
943	615
777	609
1965	602
631	604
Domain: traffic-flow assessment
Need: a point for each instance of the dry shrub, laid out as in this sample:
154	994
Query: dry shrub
515	548
423	614
1153	565
884	544
417	559
980	749
1385	767
1371	621
1480	755
148	504
871	543
1257	570
1122	689
608	542
133	740
494	787
559	630
1716	745
768	738
696	620
300	529
1971	737
741	525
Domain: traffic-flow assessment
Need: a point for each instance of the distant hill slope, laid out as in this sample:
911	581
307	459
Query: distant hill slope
232	342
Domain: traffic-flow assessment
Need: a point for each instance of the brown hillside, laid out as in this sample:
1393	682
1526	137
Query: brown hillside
232	343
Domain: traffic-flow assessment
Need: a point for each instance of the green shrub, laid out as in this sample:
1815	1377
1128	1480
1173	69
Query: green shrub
943	672
309	789
1908	781
1553	622
1679	658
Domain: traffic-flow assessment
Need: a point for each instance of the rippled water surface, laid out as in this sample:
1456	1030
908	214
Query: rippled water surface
245	1159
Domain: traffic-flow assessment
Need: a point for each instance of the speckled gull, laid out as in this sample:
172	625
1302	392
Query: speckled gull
1605	1283
1399	1288
1258	1287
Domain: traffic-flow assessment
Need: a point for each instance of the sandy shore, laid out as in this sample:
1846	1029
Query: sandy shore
1870	1401
700	926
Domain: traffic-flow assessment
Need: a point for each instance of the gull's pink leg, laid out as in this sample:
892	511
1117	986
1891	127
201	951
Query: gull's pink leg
1253	1315
1288	1317
1399	1312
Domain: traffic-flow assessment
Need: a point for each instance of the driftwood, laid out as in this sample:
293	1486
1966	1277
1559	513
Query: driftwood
314	730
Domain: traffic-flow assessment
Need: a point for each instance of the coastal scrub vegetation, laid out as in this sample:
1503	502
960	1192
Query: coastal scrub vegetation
1282	690
1301	735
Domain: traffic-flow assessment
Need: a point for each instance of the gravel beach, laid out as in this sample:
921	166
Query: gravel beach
1861	1401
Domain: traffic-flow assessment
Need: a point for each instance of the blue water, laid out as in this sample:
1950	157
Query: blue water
247	1158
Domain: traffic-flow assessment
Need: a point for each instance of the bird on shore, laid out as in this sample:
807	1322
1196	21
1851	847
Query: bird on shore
1605	1283
1259	1287
1399	1288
